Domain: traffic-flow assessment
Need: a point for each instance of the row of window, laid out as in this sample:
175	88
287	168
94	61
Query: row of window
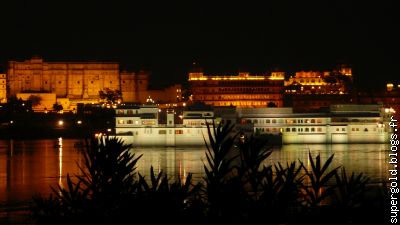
144	122
195	123
178	131
60	82
293	129
311	80
237	97
303	129
267	130
127	122
361	129
281	121
311	129
240	89
127	112
240	103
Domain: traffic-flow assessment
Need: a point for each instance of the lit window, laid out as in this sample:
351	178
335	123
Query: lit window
120	121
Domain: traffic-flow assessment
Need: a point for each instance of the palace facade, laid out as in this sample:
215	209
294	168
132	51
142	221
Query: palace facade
74	80
77	82
316	82
242	90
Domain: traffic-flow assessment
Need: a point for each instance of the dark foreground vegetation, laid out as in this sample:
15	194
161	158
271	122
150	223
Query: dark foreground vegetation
238	188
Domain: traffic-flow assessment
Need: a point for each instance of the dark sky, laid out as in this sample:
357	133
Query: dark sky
227	36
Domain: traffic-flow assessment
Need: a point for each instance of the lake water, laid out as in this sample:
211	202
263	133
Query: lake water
29	167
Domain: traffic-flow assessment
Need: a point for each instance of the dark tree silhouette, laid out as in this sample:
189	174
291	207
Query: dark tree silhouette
57	107
110	96
35	100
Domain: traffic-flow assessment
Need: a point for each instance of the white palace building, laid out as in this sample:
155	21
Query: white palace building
140	125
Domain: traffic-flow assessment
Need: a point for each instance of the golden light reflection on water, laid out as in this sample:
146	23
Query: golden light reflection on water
175	162
60	161
29	167
370	159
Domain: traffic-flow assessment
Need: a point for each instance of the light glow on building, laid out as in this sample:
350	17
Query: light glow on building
242	90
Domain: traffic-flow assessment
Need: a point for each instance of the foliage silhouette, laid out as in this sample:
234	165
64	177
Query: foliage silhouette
218	167
319	178
104	189
239	187
175	201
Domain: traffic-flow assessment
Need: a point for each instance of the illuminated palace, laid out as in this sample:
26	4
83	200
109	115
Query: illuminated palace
309	90
315	82
70	83
3	88
242	90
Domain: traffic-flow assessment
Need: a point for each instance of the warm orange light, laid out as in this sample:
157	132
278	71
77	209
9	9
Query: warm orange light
200	78
237	78
389	86
233	78
276	78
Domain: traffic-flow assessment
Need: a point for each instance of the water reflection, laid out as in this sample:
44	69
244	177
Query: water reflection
370	159
175	162
29	167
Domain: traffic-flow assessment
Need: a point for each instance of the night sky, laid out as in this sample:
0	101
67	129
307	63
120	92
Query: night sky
227	37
